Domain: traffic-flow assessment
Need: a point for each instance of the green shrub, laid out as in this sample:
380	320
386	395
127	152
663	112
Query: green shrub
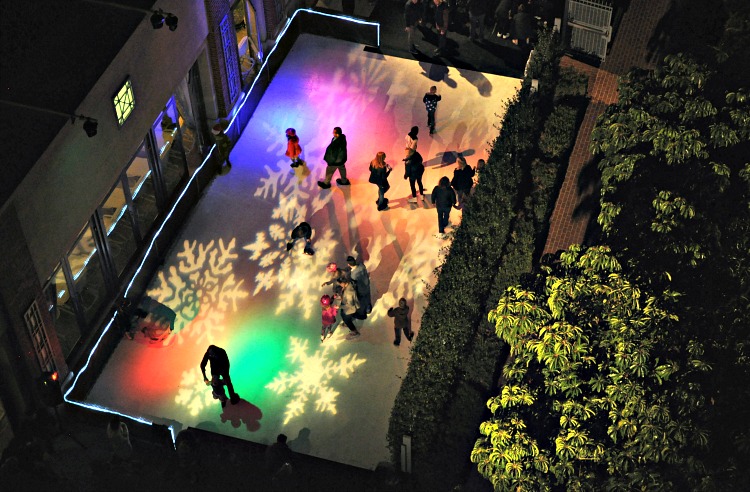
559	132
572	84
453	361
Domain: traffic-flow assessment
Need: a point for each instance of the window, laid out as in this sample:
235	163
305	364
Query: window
62	310
87	271
246	31
228	43
118	226
39	338
124	102
169	149
140	181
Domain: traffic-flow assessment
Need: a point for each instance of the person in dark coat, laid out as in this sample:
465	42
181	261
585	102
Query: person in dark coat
503	15
277	454
302	231
379	171
412	19
349	306
444	198
463	180
223	142
477	11
522	27
401	321
413	171
442	21
335	158
219	360
361	279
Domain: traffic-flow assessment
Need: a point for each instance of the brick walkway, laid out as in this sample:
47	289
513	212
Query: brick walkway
573	210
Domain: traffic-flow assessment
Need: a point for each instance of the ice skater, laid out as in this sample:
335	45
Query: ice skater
335	158
328	315
349	306
361	279
379	171
219	360
401	321
444	198
335	272
217	390
413	171
304	232
293	149
430	101
463	181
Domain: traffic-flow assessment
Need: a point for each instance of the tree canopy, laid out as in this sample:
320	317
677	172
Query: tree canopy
596	394
675	163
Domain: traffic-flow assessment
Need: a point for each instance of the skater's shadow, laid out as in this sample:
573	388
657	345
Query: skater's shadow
448	158
243	412
302	443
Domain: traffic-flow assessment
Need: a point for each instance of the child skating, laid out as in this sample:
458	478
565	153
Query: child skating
328	314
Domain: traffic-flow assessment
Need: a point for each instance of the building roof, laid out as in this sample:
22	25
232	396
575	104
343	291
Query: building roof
52	53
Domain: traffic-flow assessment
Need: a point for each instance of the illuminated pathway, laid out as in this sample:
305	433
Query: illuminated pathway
232	283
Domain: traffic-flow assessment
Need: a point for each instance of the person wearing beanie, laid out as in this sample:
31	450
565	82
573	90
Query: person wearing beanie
335	272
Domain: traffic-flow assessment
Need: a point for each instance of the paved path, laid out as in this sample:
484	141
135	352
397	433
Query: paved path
580	190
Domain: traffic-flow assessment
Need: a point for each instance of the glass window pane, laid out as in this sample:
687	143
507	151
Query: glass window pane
141	184
62	311
119	228
169	148
88	276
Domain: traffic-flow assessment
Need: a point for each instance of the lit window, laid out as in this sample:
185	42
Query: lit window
124	102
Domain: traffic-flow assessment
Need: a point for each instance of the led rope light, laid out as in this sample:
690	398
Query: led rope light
100	408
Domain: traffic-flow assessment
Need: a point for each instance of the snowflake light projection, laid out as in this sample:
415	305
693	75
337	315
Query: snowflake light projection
201	289
313	376
194	393
297	276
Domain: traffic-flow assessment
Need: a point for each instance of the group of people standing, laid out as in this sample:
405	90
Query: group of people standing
350	296
514	19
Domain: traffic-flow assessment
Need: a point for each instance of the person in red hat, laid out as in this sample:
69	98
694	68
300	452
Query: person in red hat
293	149
329	311
335	272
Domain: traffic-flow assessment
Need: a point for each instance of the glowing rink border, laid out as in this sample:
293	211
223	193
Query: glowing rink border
323	82
142	420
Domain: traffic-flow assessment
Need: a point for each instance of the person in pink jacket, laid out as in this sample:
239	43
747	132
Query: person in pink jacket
328	313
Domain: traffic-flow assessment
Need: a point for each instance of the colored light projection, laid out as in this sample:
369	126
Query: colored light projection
231	282
313	375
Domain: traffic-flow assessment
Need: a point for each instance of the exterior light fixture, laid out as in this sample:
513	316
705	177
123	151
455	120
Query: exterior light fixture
172	22
157	20
90	126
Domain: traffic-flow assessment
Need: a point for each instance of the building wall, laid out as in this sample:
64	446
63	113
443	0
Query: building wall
76	173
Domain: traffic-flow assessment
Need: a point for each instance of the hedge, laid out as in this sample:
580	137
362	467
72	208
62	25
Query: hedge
455	359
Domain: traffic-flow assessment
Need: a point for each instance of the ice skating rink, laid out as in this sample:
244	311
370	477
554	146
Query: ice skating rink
232	283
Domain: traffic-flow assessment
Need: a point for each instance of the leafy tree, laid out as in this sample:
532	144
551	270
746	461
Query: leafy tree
676	198
674	162
600	391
